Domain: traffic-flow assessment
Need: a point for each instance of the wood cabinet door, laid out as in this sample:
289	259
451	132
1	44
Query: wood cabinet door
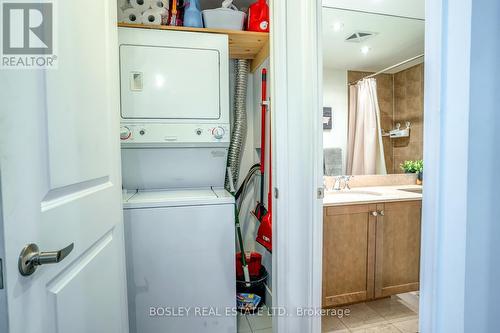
348	254
397	258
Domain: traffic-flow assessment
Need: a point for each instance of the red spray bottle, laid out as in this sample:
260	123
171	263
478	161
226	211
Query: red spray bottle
258	16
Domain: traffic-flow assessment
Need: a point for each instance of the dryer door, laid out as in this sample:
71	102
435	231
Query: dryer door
159	82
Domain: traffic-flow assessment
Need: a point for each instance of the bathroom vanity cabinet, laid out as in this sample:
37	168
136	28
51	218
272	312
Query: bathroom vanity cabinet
370	251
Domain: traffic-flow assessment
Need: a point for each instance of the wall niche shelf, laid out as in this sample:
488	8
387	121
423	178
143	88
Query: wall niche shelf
242	44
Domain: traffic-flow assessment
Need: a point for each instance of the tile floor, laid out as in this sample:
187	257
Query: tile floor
397	314
256	323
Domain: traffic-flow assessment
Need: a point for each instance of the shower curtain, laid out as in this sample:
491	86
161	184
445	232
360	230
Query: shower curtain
365	151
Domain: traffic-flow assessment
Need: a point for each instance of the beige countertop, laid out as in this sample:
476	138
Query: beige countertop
372	194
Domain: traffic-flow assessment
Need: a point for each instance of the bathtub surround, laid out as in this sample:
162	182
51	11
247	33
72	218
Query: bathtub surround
409	106
400	98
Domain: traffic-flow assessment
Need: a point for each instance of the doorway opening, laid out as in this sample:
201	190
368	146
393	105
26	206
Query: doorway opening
373	114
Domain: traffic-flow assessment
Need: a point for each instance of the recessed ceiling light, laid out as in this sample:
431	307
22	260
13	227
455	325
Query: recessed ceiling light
338	26
365	49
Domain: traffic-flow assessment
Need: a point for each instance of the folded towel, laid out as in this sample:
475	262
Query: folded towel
332	161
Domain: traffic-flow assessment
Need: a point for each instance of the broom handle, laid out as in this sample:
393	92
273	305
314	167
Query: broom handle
246	273
263	132
269	193
240	238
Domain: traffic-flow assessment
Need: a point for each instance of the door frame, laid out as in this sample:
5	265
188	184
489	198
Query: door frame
296	85
295	57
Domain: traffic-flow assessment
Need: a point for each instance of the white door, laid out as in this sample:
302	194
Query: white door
60	181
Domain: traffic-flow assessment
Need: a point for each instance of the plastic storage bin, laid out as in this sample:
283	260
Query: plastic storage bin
224	18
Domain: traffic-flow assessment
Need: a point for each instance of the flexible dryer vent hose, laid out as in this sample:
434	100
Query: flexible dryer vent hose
239	126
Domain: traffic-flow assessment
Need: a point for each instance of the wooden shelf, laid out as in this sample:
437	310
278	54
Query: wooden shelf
242	44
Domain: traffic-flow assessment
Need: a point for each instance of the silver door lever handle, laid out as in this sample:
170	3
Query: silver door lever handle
30	258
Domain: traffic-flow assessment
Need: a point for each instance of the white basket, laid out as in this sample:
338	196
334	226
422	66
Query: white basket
223	18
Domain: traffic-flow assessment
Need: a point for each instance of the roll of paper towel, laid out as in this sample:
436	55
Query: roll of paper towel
154	16
162	4
140	5
132	15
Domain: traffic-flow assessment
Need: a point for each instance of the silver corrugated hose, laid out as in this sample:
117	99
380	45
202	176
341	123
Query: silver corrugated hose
239	126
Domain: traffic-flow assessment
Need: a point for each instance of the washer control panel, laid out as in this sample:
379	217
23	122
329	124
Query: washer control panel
174	133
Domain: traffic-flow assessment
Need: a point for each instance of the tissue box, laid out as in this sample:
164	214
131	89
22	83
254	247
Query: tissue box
223	18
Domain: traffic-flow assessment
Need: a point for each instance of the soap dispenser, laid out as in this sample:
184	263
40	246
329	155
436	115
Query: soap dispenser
192	14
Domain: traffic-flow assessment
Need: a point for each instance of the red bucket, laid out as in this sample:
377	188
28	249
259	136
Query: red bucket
254	262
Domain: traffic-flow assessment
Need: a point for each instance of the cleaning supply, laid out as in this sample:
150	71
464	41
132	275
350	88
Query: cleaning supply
226	17
251	296
258	16
260	209
265	231
254	263
173	14
192	14
246	302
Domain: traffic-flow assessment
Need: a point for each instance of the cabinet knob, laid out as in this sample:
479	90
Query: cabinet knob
374	213
381	212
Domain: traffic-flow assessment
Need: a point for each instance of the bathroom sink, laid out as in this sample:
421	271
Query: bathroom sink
412	190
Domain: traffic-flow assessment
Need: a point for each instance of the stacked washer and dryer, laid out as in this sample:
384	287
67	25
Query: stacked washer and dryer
179	220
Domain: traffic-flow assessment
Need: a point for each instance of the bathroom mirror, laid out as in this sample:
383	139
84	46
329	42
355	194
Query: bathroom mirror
371	125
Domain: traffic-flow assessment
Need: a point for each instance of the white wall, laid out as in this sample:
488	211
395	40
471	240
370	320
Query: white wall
460	230
335	96
482	287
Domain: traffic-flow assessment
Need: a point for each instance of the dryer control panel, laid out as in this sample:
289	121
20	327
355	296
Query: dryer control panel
175	134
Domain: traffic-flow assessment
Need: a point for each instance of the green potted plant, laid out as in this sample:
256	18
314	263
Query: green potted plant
416	166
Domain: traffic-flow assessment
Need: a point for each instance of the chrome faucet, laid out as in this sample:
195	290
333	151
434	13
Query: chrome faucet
338	185
346	182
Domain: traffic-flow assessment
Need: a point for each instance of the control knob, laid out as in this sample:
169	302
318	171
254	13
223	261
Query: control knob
218	132
125	133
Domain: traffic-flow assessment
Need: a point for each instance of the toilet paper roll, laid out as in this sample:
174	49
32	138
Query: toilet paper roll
161	4
140	5
132	15
123	4
154	16
162	11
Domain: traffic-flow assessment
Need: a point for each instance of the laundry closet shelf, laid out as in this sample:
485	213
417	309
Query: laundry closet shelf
242	44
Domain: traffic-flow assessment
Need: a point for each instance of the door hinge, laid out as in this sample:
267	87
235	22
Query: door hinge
276	193
321	192
1	274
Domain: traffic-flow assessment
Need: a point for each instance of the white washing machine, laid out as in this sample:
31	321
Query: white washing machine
180	261
179	221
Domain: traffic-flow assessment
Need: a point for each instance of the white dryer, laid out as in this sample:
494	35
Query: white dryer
179	221
174	106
